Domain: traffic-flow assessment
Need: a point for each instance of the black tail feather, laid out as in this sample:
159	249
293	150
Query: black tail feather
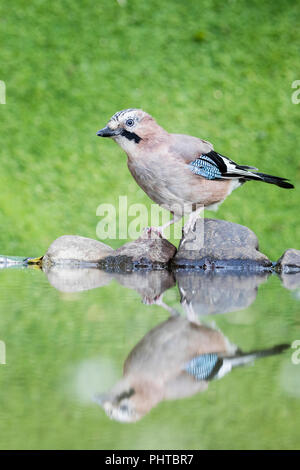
281	182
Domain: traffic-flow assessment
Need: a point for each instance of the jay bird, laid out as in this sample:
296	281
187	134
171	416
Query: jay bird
176	359
181	173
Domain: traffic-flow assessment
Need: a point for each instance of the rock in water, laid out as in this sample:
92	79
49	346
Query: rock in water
220	244
75	250
289	261
288	266
145	252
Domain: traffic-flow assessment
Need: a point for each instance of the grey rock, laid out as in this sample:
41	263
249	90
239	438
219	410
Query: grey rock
207	292
217	244
289	261
75	250
288	266
145	252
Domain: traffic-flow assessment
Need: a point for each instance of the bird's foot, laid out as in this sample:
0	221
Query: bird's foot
152	300
189	227
191	223
152	232
158	300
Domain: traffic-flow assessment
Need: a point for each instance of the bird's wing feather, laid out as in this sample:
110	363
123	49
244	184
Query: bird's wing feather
188	148
213	165
203	367
207	167
204	161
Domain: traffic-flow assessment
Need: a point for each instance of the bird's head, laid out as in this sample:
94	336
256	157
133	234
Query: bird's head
130	399
120	406
129	128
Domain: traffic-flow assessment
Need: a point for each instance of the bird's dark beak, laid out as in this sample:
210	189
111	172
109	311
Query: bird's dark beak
108	132
101	399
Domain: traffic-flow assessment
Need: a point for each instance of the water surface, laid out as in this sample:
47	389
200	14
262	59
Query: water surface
68	333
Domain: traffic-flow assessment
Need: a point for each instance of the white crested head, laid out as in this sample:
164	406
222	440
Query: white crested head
127	118
123	412
130	127
119	403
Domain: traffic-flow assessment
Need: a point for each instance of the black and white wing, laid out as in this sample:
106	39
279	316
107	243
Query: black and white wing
214	166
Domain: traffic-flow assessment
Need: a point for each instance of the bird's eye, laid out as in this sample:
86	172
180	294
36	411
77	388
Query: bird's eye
129	122
124	408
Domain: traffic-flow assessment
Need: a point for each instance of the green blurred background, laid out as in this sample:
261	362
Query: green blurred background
220	70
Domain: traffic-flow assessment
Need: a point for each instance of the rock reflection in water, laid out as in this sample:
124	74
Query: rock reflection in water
204	293
290	281
67	279
150	285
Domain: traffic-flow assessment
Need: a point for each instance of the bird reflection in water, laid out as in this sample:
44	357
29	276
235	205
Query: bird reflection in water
179	357
174	360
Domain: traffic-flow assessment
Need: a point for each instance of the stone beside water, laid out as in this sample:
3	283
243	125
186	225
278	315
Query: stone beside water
217	244
74	249
145	252
212	245
289	261
288	266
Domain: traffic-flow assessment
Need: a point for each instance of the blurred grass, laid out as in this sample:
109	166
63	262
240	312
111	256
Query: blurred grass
219	70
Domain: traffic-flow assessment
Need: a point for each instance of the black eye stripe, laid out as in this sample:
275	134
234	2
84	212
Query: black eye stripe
126	394
131	136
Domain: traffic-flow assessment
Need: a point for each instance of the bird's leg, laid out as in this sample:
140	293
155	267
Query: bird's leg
189	226
160	230
190	312
159	301
170	222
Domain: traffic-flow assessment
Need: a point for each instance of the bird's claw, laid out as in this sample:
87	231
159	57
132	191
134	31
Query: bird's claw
152	232
189	227
152	300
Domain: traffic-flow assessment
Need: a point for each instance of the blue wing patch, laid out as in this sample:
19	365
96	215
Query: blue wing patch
205	166
201	367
